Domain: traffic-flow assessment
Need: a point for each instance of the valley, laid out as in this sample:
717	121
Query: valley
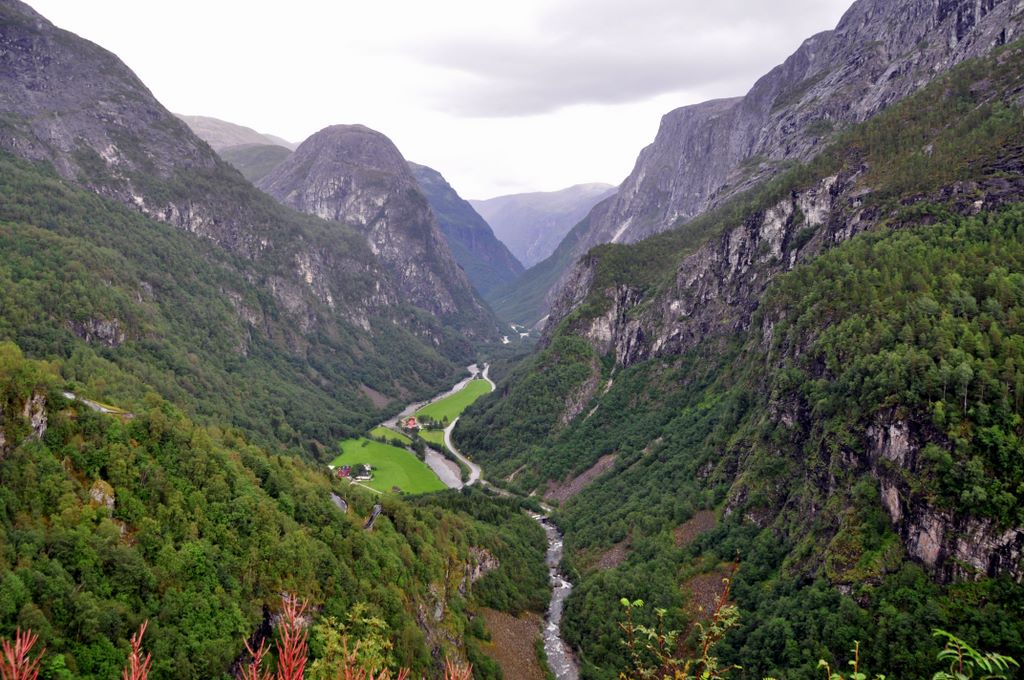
447	407
752	411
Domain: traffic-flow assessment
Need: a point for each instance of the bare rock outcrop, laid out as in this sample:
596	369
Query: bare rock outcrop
20	420
953	545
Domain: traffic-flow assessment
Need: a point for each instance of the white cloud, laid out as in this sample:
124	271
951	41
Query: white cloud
529	95
604	52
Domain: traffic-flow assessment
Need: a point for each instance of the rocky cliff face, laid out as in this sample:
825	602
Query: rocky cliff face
954	545
716	289
354	175
881	51
485	259
533	224
20	421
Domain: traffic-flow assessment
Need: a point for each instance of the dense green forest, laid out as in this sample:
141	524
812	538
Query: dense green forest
109	521
804	516
760	445
128	304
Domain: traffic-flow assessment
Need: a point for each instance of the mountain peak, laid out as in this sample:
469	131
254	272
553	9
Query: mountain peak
355	175
346	150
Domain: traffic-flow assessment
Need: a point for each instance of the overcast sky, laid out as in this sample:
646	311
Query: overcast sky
529	95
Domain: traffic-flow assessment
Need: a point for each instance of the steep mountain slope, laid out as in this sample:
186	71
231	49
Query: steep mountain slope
880	52
107	522
485	259
221	134
304	304
355	175
533	224
255	161
820	377
132	305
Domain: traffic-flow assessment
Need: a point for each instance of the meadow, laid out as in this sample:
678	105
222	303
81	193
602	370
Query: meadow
435	437
392	467
396	438
452	406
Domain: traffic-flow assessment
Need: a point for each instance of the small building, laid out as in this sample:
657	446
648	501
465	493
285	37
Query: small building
362	473
411	423
343	471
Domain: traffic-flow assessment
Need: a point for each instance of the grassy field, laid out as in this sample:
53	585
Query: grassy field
392	466
451	407
435	437
393	437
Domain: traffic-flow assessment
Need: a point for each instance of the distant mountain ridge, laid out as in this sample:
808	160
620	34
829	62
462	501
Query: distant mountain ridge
255	161
486	260
220	134
533	224
880	52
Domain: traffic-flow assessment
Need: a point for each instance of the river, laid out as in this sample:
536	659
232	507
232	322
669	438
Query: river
561	660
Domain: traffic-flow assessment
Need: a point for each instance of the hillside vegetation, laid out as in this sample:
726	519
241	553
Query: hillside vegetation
106	522
129	305
832	414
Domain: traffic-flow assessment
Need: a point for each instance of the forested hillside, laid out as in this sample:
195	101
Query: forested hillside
131	305
287	322
108	521
821	380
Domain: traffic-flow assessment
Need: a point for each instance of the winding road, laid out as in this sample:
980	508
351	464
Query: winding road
475	473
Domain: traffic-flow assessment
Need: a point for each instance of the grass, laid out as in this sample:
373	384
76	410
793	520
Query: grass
392	466
393	437
451	407
435	437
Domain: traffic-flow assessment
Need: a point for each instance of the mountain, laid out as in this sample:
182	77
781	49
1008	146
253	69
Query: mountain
533	224
221	134
255	161
880	52
353	174
816	382
254	154
167	268
179	355
485	259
